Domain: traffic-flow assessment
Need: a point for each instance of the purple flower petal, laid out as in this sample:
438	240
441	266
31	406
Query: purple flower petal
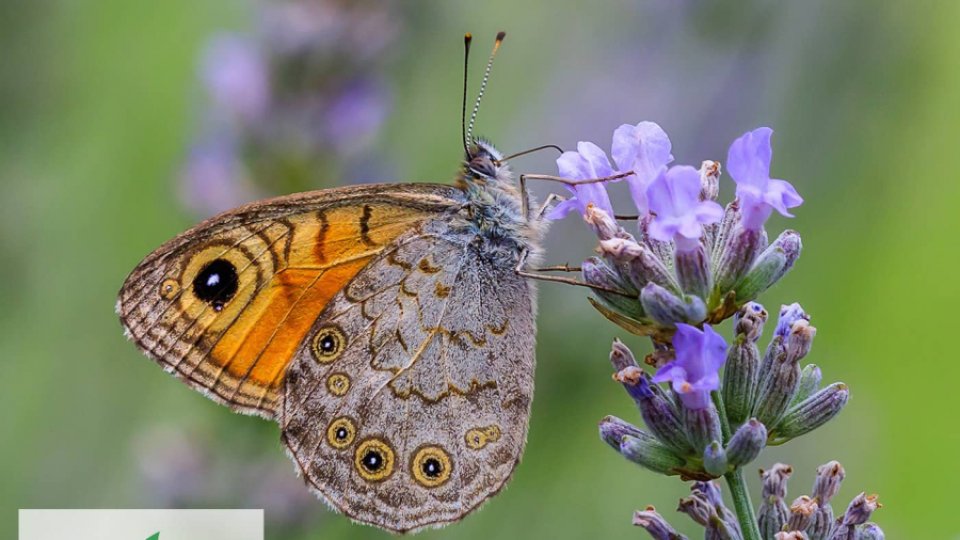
588	162
674	198
235	76
694	372
645	150
748	162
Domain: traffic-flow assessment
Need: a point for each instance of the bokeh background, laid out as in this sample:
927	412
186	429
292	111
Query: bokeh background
123	123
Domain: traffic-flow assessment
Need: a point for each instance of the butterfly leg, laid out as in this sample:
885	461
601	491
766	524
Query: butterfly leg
538	273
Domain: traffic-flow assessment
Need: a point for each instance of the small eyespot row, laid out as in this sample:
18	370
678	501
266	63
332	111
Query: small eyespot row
338	384
169	289
479	437
328	343
374	459
431	466
341	432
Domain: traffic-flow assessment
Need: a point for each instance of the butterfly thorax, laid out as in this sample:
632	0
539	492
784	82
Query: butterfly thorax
494	203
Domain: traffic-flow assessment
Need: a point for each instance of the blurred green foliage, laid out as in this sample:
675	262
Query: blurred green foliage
96	110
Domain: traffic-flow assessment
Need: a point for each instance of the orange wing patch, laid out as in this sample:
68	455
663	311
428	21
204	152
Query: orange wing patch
285	271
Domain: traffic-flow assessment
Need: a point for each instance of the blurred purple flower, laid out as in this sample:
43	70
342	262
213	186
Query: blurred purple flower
214	179
674	198
748	162
645	150
174	466
356	115
588	162
236	77
694	372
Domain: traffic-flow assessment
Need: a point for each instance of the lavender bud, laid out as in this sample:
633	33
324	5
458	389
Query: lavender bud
749	321
844	532
667	309
773	512
693	270
613	430
648	452
789	314
659	413
602	223
731	217
822	524
709	180
621	356
801	513
790	535
799	340
702	426
771	265
737	256
813	412
711	492
829	477
596	272
776	391
810	378
663	250
869	531
747	443
715	459
740	377
698	508
640	265
654	524
861	508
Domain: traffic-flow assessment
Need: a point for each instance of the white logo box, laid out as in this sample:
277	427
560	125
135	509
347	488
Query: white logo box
141	524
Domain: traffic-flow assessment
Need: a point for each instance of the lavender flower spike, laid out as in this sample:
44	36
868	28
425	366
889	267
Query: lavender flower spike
694	372
645	150
588	162
748	162
674	198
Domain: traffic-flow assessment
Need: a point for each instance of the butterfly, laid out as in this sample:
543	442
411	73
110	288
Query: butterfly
388	329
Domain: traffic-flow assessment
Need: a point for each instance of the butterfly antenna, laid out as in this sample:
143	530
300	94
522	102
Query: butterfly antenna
483	85
467	38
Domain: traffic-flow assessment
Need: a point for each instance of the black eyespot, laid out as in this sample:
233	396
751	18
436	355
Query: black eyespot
216	283
432	467
328	343
341	433
372	461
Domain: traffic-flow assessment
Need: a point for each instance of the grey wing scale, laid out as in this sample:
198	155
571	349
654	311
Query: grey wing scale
408	402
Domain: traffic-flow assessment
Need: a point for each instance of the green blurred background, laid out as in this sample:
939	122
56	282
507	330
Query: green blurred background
101	101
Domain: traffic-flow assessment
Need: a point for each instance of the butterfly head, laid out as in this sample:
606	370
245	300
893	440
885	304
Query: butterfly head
485	163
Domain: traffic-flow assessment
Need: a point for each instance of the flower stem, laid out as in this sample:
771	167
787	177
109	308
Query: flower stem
742	504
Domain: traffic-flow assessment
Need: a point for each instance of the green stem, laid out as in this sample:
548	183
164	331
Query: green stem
742	504
722	412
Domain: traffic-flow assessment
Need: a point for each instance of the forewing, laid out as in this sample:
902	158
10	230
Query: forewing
225	305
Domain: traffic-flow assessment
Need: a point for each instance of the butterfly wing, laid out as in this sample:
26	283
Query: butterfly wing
225	305
408	401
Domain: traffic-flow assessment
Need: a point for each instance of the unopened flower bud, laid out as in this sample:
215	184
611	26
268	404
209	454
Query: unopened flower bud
749	321
693	270
813	412
667	309
777	389
659	413
709	180
790	535
740	378
648	452
621	356
613	430
711	491
801	513
655	525
698	508
827	483
869	531
799	340
715	459
598	273
737	256
861	508
789	314
771	265
639	264
810	378
773	512
746	443
702	425
601	222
